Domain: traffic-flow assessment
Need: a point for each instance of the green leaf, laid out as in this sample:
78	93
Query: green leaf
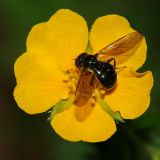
60	107
115	115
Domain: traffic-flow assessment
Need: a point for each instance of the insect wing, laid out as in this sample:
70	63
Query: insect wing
120	46
84	89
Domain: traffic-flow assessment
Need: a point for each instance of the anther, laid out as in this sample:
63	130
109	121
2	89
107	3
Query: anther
92	100
102	91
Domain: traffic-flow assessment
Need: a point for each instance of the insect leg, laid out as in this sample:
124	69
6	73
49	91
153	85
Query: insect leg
92	81
112	59
120	68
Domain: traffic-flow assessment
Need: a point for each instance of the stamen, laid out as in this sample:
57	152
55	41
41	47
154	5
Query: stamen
71	80
102	91
65	80
92	100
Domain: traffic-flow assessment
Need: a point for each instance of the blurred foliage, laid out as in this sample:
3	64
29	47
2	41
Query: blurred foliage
23	136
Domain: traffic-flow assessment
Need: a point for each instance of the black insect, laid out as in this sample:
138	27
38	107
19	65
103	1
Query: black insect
98	67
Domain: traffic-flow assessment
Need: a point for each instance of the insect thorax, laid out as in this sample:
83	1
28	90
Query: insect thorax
86	61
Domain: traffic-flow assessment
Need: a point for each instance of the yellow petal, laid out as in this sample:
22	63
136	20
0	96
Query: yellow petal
132	94
39	83
98	126
64	36
107	29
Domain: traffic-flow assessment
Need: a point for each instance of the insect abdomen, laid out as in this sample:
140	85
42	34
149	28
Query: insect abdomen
106	74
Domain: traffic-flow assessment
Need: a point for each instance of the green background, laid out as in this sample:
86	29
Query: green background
26	137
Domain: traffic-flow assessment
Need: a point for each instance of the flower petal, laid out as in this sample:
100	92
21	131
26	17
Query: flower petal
39	83
107	29
64	36
132	94
98	126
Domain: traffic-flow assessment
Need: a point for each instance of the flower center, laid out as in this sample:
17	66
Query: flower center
82	112
72	83
86	100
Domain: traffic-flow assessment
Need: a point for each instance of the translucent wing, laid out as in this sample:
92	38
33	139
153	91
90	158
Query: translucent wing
84	88
83	111
120	46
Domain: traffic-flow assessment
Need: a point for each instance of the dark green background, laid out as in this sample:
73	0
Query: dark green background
26	137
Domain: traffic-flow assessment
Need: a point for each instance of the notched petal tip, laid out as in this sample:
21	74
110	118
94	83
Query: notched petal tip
65	12
132	94
98	126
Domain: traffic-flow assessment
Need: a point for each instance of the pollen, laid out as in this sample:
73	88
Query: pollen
102	92
72	79
92	100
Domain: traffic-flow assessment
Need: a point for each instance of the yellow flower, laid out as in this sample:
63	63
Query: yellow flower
46	75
